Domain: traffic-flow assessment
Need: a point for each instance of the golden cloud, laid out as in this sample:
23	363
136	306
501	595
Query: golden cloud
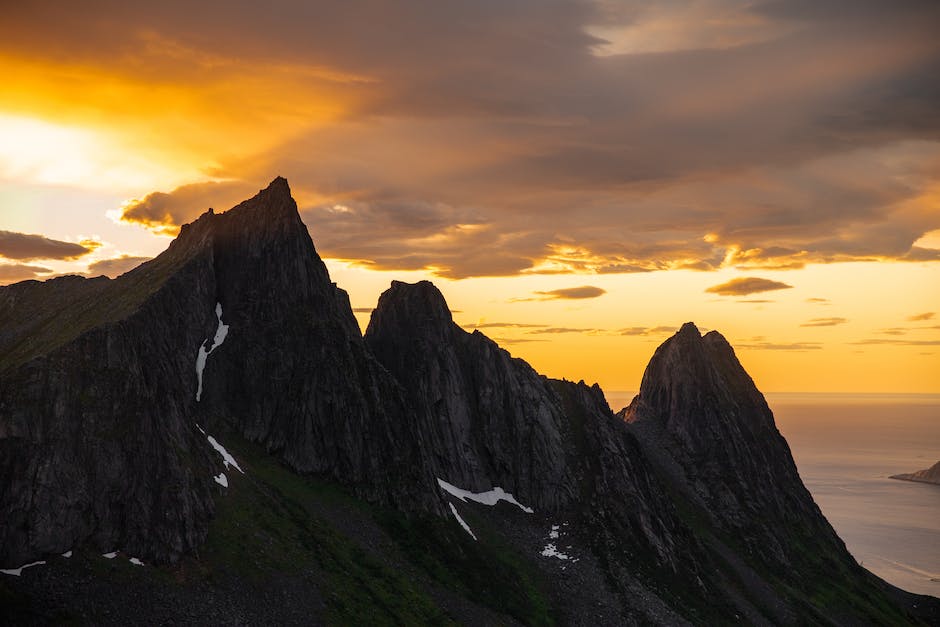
747	285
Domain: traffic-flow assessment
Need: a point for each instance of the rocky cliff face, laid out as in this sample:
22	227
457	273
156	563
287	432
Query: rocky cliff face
98	388
97	438
293	373
687	505
491	420
928	475
700	414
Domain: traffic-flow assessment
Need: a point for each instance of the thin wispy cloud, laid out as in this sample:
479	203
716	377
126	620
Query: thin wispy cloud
927	315
897	342
516	340
502	325
566	293
660	330
824	322
744	286
573	293
557	330
779	346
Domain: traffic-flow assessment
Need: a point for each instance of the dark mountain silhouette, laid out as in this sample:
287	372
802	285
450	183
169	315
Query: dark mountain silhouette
217	412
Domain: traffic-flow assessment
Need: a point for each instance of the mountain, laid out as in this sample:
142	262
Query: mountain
216	415
698	408
101	397
928	475
707	428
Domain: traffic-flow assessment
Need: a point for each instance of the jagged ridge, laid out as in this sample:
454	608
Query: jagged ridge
692	503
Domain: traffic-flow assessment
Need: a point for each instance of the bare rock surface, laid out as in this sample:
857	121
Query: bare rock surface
117	398
928	475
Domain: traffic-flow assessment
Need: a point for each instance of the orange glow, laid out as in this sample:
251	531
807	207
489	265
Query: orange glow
740	156
150	132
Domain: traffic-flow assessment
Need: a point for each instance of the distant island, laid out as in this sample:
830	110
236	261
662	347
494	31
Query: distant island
928	475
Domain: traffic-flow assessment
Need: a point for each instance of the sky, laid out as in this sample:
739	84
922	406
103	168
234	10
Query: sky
579	178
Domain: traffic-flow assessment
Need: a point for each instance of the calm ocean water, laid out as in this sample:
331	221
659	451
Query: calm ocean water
846	447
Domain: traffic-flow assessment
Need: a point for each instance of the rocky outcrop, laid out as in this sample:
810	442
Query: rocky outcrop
491	420
928	475
293	373
97	441
688	504
703	420
98	411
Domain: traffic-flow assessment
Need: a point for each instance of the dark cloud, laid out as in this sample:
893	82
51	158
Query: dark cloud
927	315
572	293
819	301
27	247
755	301
746	285
363	309
116	266
498	138
13	272
824	322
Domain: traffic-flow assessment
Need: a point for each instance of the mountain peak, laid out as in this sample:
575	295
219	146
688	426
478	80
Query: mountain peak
719	429
412	305
274	201
277	187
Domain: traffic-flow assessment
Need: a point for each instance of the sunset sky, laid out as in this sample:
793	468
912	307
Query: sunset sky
579	178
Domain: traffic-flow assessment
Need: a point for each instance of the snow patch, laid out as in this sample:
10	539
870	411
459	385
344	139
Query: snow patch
110	556
491	497
551	550
227	458
67	554
16	572
221	333
135	561
463	524
553	534
222	480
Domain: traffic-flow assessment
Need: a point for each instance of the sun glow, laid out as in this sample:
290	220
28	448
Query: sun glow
36	151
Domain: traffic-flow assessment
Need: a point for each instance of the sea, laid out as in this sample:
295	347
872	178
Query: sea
846	446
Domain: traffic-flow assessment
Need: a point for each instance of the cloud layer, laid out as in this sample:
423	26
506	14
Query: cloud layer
498	138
